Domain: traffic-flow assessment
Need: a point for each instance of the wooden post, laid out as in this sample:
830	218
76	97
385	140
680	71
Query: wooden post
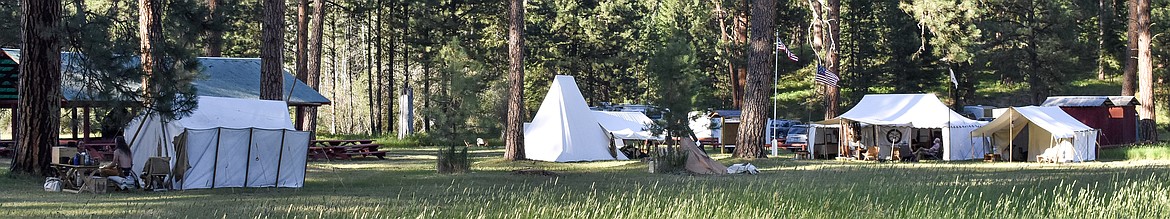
73	122
85	124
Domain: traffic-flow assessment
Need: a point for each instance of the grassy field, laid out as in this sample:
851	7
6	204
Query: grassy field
405	186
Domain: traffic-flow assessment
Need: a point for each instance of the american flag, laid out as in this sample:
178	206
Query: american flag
780	46
826	77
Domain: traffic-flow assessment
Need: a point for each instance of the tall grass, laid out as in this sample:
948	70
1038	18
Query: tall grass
1159	151
405	186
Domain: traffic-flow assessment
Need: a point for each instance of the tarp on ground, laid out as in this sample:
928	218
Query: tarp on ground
565	130
1051	133
226	142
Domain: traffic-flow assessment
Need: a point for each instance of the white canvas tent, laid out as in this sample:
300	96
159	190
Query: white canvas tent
882	114
225	142
564	129
626	125
1043	131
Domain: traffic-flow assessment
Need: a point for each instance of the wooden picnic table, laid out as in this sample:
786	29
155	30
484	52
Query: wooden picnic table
344	149
329	143
73	176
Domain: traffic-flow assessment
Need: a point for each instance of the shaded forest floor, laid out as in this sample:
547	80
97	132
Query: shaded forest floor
405	186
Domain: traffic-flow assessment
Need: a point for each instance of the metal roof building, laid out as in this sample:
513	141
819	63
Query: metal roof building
1115	116
221	77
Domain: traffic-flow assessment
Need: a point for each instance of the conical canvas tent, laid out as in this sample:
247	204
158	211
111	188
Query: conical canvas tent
882	115
1046	132
564	129
226	142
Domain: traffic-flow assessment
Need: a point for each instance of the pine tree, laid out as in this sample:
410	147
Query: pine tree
750	140
271	57
514	130
38	111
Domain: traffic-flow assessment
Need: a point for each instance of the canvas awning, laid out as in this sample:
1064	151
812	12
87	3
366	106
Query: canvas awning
626	125
914	110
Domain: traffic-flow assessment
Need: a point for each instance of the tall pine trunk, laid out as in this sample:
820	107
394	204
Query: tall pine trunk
514	127
301	65
150	35
271	57
738	55
1147	125
213	38
313	79
833	59
1129	76
38	111
750	141
1103	20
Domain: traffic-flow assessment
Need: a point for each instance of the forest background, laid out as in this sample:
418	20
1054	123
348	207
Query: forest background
452	54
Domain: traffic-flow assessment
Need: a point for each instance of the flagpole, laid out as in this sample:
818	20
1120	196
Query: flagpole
775	79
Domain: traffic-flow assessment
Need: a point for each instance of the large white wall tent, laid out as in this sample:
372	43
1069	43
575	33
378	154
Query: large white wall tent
879	115
1046	132
564	129
225	142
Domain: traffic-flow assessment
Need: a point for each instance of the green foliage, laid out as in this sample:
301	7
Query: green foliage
463	110
10	24
669	160
451	161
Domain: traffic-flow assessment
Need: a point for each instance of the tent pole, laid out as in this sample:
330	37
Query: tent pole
248	160
215	165
1011	136
280	158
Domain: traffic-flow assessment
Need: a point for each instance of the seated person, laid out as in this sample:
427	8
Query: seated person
935	150
121	164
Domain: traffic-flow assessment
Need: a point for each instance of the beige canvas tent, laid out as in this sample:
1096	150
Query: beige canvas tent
1040	133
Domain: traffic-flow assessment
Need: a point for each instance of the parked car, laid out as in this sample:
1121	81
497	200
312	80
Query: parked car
797	134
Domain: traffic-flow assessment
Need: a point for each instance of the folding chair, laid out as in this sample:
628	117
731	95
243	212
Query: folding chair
156	173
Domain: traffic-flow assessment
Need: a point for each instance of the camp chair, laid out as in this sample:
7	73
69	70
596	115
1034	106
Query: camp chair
156	173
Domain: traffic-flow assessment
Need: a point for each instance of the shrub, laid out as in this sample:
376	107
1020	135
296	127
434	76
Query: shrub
452	161
669	160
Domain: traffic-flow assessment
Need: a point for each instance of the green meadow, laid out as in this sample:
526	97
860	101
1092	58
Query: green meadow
405	186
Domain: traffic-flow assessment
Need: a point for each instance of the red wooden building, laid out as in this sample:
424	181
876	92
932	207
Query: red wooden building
1115	116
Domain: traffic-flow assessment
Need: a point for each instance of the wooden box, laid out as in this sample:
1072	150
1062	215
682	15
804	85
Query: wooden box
59	152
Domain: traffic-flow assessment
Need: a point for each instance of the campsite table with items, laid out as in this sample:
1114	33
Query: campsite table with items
72	176
104	150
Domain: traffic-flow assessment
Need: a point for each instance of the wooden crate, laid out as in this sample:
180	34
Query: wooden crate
59	152
95	184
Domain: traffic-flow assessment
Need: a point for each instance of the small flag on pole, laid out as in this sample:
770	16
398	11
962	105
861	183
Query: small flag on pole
953	80
824	76
781	47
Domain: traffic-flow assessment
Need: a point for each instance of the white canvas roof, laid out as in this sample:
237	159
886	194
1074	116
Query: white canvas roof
564	129
918	111
626	125
1055	133
229	143
914	110
1052	119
